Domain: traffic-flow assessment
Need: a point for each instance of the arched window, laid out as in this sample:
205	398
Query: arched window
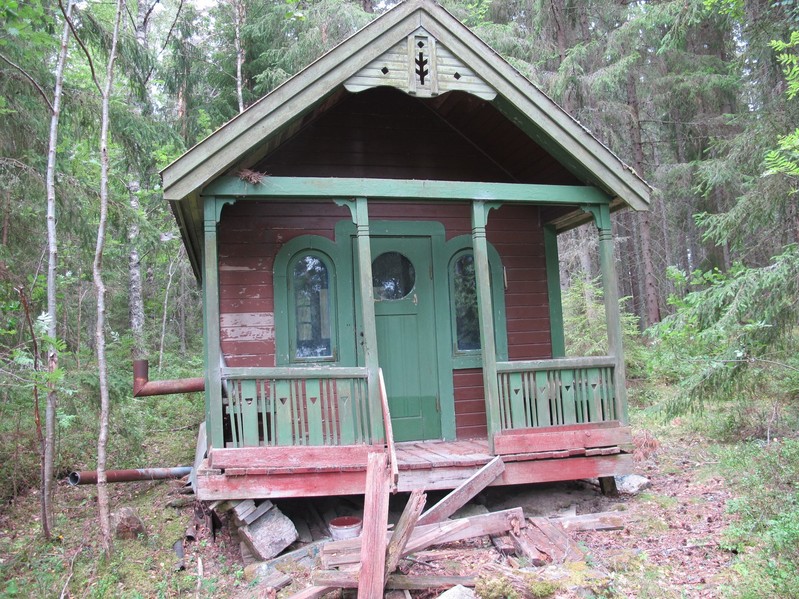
311	310
464	303
465	318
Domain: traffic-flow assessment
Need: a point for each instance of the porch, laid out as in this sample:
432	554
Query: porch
304	432
554	454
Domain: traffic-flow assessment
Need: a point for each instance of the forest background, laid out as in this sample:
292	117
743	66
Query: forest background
696	95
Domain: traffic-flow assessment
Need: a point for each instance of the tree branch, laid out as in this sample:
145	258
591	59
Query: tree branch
82	46
32	81
166	40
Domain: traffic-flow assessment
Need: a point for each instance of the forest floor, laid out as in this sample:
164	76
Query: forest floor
671	544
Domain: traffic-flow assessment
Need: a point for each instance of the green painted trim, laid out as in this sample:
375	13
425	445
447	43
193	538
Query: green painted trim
296	372
557	364
367	321
411	189
454	248
345	232
610	289
342	330
482	274
213	350
556	326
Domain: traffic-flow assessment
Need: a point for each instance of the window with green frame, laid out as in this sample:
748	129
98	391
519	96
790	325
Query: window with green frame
465	321
463	289
311	310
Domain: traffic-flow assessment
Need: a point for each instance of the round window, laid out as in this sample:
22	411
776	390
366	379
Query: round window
393	276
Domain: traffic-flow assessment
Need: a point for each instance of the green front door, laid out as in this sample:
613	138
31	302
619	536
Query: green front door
406	338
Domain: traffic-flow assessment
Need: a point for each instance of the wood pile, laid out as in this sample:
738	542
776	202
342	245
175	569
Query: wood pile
371	563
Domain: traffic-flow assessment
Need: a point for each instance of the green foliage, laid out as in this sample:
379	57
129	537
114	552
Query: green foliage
585	328
734	337
766	535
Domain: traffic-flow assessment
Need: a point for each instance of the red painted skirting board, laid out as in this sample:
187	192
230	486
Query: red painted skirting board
531	440
253	486
296	459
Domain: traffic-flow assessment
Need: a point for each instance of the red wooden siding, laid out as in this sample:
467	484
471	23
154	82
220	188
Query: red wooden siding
385	133
251	234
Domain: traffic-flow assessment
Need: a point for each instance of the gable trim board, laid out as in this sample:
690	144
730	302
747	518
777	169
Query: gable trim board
527	106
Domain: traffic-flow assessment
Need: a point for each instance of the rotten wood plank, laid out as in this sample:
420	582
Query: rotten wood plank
375	521
460	496
291	457
349	580
337	553
404	529
598	521
535	440
392	451
313	592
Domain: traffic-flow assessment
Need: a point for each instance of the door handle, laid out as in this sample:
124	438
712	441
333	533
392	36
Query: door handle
415	300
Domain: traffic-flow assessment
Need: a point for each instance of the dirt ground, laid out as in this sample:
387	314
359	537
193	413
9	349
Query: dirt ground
670	545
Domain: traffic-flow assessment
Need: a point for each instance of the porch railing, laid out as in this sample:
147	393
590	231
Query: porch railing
297	406
540	393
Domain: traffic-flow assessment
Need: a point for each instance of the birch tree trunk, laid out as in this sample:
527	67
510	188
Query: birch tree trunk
135	293
52	266
99	287
238	21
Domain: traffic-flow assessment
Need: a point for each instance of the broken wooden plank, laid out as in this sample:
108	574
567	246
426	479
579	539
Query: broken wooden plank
375	520
349	580
243	508
460	496
313	592
327	457
503	544
338	553
598	521
534	440
527	545
544	541
404	529
392	450
276	581
259	511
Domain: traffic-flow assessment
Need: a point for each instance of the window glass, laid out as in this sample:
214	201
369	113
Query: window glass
393	276
311	283
467	323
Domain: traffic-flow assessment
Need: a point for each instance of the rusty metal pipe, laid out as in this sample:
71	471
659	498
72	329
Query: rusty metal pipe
144	387
89	477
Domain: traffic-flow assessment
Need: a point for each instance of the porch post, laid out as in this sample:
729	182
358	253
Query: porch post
553	292
486	315
610	290
213	382
368	339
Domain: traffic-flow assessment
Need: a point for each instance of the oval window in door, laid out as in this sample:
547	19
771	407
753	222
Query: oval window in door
393	276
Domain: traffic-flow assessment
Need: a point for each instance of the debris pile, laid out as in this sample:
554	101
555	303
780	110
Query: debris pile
417	553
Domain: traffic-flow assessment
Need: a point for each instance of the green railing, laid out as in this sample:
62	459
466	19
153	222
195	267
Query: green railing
540	393
297	406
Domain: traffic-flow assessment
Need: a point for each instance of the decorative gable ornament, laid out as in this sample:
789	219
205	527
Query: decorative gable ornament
422	67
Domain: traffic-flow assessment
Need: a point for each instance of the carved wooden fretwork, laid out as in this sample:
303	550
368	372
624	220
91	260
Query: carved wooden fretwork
422	67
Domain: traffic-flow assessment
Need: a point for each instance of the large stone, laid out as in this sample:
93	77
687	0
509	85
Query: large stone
127	524
269	535
632	484
458	592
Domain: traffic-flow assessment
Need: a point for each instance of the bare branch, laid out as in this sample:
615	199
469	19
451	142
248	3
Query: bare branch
32	81
166	40
82	46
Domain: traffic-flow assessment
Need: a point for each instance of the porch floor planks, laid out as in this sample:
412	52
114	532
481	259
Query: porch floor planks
439	454
429	465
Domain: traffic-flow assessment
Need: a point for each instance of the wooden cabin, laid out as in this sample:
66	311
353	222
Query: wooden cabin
377	245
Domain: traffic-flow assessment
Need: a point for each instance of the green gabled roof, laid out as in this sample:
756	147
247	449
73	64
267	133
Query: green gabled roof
277	114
